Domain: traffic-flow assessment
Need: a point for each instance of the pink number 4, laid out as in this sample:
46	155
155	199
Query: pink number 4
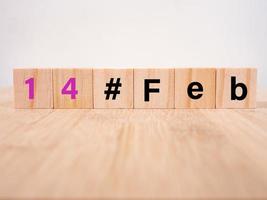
30	82
72	90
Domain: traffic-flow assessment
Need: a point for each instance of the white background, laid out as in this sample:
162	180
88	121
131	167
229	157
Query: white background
137	33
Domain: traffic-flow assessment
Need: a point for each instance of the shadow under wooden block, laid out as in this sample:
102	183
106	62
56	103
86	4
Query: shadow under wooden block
236	88
113	88
195	88
153	88
73	88
33	88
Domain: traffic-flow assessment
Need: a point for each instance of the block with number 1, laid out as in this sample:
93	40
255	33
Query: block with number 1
73	88
33	88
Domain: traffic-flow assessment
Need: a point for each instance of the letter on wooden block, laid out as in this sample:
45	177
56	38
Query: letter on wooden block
73	88
154	88
195	88
33	88
113	88
236	88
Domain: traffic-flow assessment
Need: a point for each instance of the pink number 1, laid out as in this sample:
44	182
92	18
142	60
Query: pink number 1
30	82
72	91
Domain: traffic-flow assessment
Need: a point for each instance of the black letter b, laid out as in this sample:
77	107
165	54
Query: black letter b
234	85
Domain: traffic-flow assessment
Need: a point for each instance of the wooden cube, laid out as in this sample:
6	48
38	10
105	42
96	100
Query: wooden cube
236	88
33	88
154	88
113	88
73	88
195	88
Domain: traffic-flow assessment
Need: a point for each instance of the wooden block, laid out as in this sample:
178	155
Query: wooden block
33	88
103	78
73	88
159	92
231	86
202	80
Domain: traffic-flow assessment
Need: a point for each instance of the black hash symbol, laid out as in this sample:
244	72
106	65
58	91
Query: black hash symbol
113	88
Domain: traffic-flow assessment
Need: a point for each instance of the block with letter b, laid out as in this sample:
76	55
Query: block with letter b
195	87
154	88
73	88
236	88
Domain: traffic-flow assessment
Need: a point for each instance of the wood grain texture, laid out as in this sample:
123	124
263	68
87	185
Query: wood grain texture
84	86
248	76
132	154
43	93
103	76
206	77
163	99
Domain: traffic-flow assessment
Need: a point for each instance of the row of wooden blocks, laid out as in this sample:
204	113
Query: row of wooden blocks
135	88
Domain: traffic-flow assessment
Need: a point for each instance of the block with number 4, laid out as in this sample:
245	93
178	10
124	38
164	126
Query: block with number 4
33	88
73	88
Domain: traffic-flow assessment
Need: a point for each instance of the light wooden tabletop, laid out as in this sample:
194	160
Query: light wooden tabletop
91	154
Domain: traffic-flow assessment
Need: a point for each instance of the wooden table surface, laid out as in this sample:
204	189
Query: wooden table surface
91	154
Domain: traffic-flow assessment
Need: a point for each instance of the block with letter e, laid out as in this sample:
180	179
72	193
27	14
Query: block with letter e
154	88
73	88
236	88
195	87
33	88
